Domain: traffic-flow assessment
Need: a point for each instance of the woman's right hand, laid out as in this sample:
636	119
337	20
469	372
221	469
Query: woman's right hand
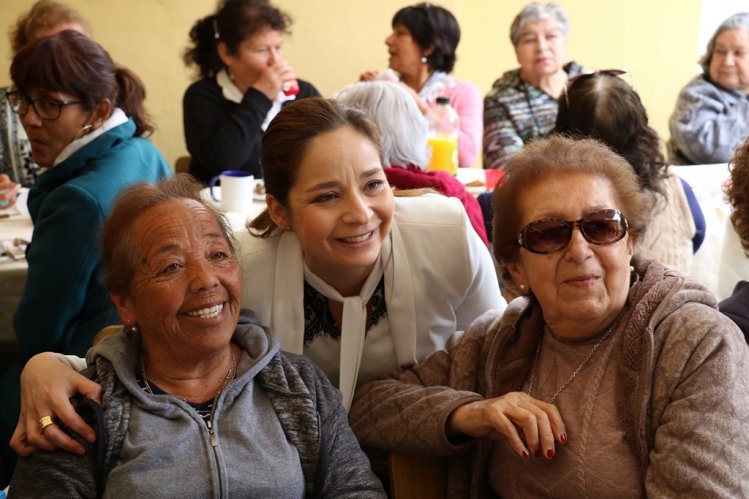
47	383
369	75
271	79
506	417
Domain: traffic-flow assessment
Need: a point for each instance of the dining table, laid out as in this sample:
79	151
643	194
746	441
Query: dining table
15	231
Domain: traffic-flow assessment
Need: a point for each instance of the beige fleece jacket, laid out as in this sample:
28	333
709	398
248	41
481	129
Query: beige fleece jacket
683	378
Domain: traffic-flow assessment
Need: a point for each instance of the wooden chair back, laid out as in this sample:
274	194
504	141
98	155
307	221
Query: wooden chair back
418	477
182	165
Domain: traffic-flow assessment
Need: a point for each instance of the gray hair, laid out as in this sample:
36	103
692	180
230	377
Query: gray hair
537	12
403	129
740	20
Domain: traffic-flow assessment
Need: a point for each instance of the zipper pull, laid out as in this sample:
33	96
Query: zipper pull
214	438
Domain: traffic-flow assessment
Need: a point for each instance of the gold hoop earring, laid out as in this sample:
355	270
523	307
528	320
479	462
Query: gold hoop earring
86	130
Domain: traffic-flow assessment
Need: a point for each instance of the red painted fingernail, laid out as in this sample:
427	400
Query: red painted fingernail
537	453
525	453
563	438
550	454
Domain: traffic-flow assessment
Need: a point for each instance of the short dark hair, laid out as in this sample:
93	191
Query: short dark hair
287	138
434	27
120	255
553	156
605	107
233	22
72	63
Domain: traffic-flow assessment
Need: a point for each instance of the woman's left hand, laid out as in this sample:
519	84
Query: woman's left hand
506	417
8	191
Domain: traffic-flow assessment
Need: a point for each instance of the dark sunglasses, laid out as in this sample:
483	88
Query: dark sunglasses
548	236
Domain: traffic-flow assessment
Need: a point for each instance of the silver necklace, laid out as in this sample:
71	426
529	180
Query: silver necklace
230	373
579	368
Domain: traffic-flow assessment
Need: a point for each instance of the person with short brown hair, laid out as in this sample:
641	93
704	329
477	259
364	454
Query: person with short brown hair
45	18
197	399
610	376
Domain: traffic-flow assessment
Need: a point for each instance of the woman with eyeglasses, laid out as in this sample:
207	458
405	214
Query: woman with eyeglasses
522	104
44	18
603	106
610	377
86	123
422	52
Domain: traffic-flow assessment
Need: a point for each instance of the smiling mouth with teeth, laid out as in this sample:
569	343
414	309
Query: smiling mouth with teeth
207	313
357	239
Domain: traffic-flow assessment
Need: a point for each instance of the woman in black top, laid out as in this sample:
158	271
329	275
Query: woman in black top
244	83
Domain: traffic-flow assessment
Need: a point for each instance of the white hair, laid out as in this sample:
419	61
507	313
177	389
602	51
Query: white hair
736	21
535	13
403	129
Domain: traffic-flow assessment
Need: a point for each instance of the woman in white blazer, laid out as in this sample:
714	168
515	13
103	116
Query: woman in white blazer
409	270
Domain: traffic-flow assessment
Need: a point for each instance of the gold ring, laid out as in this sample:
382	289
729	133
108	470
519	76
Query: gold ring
44	422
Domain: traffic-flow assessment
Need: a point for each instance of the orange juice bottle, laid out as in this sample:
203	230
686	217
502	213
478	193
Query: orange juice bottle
443	137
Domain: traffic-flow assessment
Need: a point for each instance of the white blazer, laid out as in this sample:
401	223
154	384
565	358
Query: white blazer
440	277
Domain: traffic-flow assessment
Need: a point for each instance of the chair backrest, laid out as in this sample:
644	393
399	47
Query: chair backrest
182	165
418	477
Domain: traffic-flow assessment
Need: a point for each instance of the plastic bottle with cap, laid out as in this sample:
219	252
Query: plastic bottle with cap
443	137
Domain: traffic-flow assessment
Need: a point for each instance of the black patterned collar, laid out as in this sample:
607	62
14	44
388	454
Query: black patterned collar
318	320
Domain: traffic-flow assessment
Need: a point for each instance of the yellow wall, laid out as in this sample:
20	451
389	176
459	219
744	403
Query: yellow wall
334	40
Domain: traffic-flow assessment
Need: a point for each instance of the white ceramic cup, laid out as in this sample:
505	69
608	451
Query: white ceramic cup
236	190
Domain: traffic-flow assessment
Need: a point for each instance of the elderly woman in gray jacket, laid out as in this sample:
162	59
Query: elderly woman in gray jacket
197	399
711	116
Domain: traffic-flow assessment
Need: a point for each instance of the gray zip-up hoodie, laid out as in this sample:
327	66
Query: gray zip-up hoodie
278	431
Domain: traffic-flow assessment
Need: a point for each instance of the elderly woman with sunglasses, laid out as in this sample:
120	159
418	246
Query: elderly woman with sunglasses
86	123
610	377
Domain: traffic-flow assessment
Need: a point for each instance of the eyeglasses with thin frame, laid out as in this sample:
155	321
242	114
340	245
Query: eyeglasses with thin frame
45	108
548	236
